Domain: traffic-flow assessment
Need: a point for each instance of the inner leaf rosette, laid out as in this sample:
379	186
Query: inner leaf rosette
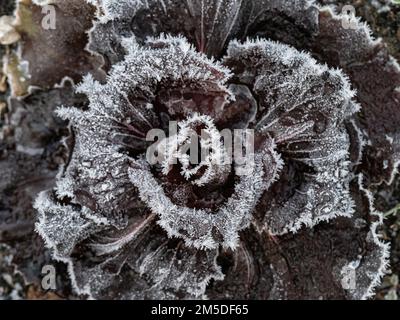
202	228
212	168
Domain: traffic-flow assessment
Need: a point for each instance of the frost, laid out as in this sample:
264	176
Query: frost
363	56
116	122
200	228
377	262
304	106
149	267
208	24
214	162
352	266
61	226
217	20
